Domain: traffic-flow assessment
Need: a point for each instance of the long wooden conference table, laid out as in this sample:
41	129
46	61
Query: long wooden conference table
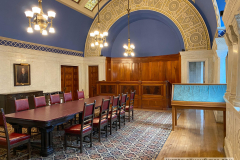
46	118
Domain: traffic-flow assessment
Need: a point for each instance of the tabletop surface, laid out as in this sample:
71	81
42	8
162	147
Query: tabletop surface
53	112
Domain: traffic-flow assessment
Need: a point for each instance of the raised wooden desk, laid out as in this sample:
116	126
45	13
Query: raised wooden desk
198	96
46	118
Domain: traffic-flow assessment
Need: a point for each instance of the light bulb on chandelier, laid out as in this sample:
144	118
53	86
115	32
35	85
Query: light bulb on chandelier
98	37
40	20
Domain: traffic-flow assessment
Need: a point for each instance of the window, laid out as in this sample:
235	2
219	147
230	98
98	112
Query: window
77	1
91	4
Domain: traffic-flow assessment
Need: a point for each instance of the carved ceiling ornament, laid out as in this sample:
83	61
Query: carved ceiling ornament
183	14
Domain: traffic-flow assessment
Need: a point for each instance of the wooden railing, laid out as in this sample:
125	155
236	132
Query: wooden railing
149	94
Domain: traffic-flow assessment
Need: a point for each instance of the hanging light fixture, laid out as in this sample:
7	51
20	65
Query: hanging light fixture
40	20
129	49
98	38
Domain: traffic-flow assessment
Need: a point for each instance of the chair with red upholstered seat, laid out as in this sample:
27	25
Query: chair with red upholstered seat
121	109
67	97
80	94
55	99
9	141
101	122
39	101
113	115
21	104
129	108
84	129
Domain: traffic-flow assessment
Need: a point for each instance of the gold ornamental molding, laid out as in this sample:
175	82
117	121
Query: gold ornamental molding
183	14
217	13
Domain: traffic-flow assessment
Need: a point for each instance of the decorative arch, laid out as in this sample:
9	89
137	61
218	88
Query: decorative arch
183	14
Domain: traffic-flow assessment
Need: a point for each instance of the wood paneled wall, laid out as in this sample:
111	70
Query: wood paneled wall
149	94
158	68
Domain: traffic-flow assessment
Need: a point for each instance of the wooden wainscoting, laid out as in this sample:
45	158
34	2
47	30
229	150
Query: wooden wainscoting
149	94
157	68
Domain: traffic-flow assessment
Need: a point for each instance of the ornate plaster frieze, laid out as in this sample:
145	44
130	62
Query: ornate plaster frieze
217	13
34	46
185	16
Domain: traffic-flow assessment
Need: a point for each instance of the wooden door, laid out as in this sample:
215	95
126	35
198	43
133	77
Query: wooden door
93	78
69	80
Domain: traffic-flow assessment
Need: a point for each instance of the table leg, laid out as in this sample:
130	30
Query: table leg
224	123
17	128
46	141
173	117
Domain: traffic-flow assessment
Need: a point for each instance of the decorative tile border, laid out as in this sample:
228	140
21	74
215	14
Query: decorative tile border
34	46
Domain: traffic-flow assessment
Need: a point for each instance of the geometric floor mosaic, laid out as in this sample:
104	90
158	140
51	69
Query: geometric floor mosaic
142	138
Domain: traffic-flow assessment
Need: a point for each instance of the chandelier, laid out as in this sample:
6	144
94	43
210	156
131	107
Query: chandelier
40	20
99	39
129	49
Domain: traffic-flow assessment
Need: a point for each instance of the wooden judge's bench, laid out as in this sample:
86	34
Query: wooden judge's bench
149	94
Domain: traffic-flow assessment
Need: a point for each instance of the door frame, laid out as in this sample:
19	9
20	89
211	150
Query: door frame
205	60
87	77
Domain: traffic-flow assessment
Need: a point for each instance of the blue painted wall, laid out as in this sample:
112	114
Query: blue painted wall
152	33
71	26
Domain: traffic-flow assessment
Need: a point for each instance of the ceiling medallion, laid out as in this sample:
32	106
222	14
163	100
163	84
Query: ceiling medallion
129	49
40	20
99	39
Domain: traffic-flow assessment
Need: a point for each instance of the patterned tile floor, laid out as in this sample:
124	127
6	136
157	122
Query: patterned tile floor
142	138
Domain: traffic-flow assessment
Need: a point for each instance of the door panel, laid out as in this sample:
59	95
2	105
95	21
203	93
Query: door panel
69	80
93	78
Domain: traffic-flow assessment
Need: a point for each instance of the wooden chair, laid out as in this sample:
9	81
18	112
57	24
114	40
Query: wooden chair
129	108
121	109
22	105
84	129
101	122
113	114
39	101
12	140
55	99
67	97
80	94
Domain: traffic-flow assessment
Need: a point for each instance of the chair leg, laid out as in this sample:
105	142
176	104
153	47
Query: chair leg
129	116
106	130
91	135
99	135
81	143
65	141
29	130
132	114
29	150
119	120
8	154
116	125
14	151
124	119
110	127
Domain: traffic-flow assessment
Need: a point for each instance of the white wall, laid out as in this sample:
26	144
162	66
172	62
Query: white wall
45	69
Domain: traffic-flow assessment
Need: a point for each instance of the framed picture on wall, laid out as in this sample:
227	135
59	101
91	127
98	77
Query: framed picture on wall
22	74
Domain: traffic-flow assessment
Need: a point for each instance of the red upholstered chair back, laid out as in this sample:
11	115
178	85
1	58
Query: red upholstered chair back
115	104
55	99
40	101
21	104
123	99
67	97
104	110
88	115
132	97
3	125
80	94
